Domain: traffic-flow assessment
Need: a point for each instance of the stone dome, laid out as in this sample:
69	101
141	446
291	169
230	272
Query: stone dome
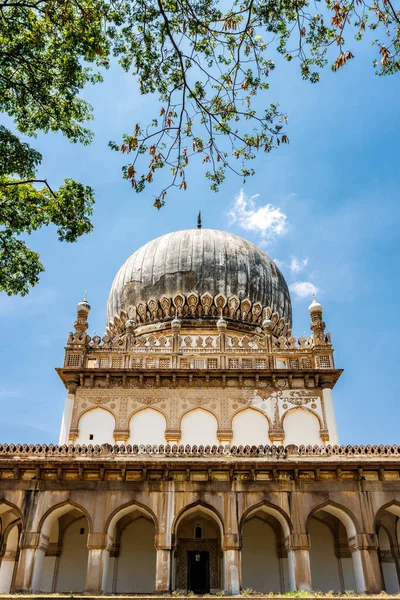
200	261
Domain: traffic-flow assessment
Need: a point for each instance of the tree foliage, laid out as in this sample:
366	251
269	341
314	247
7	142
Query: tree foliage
209	63
44	46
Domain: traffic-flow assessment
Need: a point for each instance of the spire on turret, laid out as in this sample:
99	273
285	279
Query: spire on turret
199	220
82	313
317	324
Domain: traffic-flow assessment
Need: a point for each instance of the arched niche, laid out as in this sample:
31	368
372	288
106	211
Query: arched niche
9	558
96	426
72	562
388	529
301	427
199	427
135	568
147	427
250	427
131	567
264	559
333	567
265	564
62	565
198	553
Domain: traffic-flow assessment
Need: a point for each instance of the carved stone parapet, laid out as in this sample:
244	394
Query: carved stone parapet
363	541
297	541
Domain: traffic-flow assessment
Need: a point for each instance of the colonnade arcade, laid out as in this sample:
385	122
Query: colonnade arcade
196	549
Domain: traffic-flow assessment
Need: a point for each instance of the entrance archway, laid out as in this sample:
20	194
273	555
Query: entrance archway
65	560
264	558
388	529
330	557
132	563
198	554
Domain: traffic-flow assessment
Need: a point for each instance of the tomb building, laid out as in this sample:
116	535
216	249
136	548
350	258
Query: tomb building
198	449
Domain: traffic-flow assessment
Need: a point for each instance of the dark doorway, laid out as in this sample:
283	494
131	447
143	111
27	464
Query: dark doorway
199	572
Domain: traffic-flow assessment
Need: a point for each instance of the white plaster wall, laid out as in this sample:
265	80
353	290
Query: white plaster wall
301	427
330	416
325	575
250	427
260	563
66	419
147	427
388	568
49	562
348	574
199	427
47	575
98	422
72	565
136	567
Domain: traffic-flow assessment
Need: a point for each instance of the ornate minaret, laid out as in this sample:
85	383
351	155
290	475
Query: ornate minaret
323	341
75	356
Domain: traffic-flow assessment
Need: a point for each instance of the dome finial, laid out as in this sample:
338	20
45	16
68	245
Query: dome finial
199	220
85	297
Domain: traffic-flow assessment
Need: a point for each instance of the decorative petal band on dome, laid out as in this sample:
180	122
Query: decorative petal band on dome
194	306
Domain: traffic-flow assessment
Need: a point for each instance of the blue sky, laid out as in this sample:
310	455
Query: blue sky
333	224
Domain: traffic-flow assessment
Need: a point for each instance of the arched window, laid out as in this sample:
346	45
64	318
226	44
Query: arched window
198	532
147	427
199	427
250	427
96	427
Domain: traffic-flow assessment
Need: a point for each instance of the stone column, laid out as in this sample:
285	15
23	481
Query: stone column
7	571
326	385
298	549
232	565
367	573
31	556
72	385
163	570
99	545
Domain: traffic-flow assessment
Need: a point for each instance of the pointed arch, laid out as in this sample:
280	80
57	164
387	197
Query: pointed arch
147	425
201	430
201	506
339	511
393	507
250	425
103	428
125	509
57	511
275	511
6	505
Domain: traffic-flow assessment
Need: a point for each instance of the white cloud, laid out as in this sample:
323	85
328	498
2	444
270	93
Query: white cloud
268	220
298	265
303	289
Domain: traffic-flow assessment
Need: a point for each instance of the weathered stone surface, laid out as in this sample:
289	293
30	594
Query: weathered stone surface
200	260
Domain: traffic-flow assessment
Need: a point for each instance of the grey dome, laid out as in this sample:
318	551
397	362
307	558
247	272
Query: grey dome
199	260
